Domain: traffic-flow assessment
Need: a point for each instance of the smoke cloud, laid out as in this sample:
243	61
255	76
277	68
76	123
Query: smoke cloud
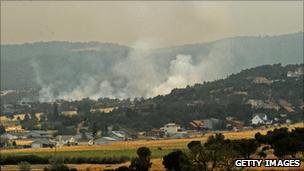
138	74
108	70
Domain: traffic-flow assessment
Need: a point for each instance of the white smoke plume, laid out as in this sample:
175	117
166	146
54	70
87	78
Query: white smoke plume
108	70
137	75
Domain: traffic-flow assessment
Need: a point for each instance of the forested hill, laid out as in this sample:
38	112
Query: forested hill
270	89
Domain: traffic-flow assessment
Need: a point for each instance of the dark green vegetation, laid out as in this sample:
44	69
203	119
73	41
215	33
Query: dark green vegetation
283	142
57	164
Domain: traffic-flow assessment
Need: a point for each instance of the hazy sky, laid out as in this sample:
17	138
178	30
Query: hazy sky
151	24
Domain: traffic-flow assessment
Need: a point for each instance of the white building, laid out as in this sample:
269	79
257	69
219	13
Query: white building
171	129
41	143
65	140
259	119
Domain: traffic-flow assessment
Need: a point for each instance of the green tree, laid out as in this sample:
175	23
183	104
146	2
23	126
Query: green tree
245	147
142	162
94	130
2	129
55	113
177	161
24	166
199	155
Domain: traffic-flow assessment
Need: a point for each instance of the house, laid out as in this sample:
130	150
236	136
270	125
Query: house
8	109
69	113
104	140
104	110
286	105
39	134
259	119
42	143
296	73
288	121
14	129
197	124
85	142
262	80
170	129
118	135
9	136
234	124
211	123
83	135
181	134
157	133
68	140
261	104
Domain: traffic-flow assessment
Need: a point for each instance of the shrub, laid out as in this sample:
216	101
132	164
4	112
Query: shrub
24	166
142	162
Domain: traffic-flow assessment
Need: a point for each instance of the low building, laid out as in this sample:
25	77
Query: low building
211	123
197	124
118	135
104	140
259	119
262	80
170	129
85	142
39	134
156	133
296	73
68	140
42	143
84	135
234	124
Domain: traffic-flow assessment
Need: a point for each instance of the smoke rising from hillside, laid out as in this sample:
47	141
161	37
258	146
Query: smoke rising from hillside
138	74
105	70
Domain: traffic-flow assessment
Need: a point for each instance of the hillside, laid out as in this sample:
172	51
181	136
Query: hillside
275	90
65	70
263	89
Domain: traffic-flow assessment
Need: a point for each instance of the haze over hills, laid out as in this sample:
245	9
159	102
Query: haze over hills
68	70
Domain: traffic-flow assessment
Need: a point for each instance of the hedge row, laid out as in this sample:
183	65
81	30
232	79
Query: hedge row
32	159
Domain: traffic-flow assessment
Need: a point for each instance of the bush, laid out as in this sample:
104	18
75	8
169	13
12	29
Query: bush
142	162
57	164
177	161
32	159
24	166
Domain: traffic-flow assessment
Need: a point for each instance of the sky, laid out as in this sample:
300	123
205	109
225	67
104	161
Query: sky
146	24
